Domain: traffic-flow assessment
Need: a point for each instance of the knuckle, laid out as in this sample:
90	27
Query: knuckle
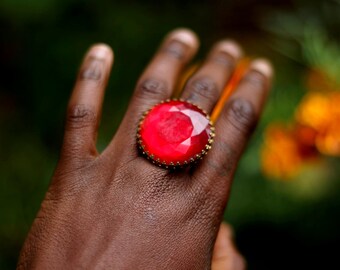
151	87
203	88
175	49
223	165
254	80
242	115
80	116
93	71
224	59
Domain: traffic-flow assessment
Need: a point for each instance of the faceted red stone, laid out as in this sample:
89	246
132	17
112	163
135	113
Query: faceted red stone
174	131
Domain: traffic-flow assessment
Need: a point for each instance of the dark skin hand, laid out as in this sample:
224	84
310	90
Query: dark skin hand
116	210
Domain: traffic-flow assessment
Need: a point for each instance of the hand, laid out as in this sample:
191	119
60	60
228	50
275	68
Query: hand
116	210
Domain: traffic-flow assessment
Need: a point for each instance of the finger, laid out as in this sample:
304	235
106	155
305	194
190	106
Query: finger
158	80
225	254
85	104
233	128
205	87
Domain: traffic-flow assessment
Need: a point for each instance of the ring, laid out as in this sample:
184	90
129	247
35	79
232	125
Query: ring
175	133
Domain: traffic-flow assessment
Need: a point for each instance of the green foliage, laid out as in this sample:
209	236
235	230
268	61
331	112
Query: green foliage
306	36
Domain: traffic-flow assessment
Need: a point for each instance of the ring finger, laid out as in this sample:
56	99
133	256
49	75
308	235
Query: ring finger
205	87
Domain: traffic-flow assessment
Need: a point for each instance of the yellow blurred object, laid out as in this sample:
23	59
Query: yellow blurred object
241	69
184	79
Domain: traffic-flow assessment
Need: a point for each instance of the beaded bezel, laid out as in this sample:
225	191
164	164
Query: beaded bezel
174	165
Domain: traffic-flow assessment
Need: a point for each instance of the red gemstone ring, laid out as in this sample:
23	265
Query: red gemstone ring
175	133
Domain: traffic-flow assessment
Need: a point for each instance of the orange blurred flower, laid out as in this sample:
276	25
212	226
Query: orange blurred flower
328	142
321	112
286	150
314	111
280	153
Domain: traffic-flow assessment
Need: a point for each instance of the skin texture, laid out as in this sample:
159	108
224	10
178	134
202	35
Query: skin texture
115	210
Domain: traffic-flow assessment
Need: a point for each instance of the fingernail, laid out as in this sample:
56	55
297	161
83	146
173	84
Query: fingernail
100	51
185	36
231	47
263	66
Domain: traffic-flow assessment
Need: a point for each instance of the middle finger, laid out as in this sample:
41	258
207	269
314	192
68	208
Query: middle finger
157	82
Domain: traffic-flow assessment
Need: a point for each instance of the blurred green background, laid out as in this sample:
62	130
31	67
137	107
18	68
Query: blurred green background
278	224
